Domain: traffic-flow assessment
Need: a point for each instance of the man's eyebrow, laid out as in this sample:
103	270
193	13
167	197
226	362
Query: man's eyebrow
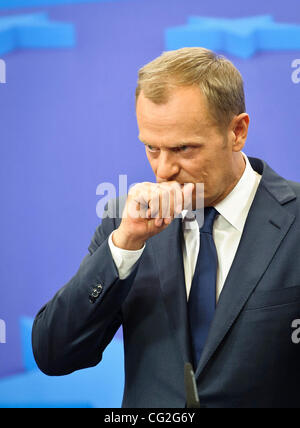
193	142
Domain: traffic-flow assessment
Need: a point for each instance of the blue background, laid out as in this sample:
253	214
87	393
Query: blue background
68	123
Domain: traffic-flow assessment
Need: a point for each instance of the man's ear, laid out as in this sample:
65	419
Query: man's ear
239	131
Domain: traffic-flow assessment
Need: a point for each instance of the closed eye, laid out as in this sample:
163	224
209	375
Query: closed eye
152	149
185	148
181	149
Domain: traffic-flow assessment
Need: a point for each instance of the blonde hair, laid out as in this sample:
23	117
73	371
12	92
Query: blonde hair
220	81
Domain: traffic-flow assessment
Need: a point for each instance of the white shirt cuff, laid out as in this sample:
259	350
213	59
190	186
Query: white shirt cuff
124	259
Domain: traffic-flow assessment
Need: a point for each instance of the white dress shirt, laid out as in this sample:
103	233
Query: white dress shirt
227	231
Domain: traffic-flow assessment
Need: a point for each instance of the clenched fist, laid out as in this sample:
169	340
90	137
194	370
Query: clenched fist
149	209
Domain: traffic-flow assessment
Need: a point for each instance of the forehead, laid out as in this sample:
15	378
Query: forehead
185	114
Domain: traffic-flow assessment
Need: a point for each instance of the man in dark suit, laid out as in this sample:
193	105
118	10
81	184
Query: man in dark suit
225	299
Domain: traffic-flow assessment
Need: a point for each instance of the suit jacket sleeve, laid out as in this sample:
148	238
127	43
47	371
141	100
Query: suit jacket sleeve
73	329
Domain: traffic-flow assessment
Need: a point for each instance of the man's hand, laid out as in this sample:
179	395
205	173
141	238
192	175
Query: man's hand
149	209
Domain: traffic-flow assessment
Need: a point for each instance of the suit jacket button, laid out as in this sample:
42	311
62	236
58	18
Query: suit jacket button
92	299
95	293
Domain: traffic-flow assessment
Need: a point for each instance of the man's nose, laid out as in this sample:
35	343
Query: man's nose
167	167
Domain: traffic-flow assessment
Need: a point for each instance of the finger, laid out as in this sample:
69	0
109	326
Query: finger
188	196
137	206
133	209
178	201
165	203
144	199
154	203
158	222
176	198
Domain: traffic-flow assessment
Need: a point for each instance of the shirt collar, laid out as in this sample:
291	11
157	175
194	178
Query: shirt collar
235	207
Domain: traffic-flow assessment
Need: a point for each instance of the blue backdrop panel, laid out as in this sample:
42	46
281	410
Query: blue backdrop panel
47	35
230	23
7	4
27	354
239	37
34	31
68	124
194	35
279	37
101	386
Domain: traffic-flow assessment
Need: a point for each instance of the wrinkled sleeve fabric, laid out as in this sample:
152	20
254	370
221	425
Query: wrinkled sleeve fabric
72	330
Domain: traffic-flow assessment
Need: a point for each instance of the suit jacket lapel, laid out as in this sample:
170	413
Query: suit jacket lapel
167	252
266	226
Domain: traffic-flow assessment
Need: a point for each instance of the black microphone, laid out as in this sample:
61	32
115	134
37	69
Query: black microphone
192	397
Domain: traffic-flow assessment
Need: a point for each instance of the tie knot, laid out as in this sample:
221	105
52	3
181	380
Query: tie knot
209	218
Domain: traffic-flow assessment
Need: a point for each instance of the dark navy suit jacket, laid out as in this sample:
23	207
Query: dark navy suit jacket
249	359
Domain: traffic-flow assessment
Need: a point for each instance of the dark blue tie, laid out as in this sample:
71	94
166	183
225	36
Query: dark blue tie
202	298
